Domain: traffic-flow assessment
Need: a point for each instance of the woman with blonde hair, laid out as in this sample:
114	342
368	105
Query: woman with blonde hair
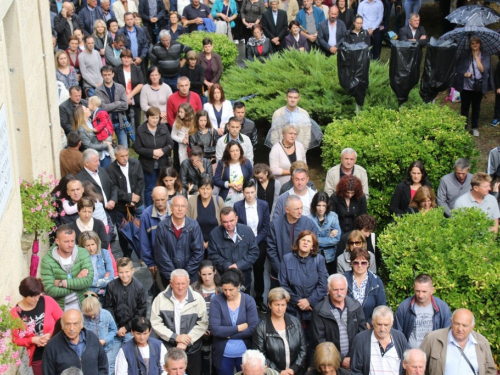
100	35
65	73
355	239
423	201
180	130
101	322
327	361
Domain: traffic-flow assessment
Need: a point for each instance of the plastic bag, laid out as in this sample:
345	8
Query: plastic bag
404	68
353	62
439	68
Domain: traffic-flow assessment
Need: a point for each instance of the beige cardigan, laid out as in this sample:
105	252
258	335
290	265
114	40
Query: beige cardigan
293	9
193	206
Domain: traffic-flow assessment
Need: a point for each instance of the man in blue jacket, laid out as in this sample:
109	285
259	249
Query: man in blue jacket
137	42
422	313
89	14
233	245
309	19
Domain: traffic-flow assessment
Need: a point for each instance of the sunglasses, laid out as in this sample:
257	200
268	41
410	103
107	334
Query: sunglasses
363	263
357	243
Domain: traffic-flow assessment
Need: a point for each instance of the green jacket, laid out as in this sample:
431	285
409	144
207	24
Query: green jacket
52	270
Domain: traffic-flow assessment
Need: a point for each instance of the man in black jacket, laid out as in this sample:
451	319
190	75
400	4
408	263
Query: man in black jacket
128	177
338	319
414	32
275	25
327	41
66	108
152	14
74	347
64	24
247	126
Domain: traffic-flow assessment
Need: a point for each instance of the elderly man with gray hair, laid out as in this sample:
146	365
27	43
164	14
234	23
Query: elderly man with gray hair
453	185
347	166
381	348
338	318
253	362
179	318
414	361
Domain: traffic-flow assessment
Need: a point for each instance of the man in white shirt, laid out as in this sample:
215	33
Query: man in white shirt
372	12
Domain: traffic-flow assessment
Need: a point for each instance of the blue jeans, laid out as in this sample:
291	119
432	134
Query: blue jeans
172	82
411	6
105	162
121	135
228	364
149	185
112	353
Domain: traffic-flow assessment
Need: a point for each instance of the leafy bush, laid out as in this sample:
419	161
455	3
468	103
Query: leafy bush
317	80
387	141
226	49
460	254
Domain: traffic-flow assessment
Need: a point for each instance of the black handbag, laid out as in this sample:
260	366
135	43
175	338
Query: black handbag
477	84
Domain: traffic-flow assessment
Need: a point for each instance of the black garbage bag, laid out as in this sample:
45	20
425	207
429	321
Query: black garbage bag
353	62
404	68
439	68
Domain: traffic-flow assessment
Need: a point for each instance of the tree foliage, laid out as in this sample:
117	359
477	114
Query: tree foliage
388	141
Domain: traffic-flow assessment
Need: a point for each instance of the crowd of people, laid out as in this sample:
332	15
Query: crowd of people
214	227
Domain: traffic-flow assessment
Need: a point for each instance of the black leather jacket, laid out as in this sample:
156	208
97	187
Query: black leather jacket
195	140
191	175
269	342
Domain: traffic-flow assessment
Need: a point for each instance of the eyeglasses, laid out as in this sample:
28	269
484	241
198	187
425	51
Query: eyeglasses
357	243
363	263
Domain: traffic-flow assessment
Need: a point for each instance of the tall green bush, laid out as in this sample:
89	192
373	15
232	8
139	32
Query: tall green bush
387	141
226	49
317	80
460	254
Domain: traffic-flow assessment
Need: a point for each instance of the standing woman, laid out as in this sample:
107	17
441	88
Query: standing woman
180	130
225	11
346	15
130	76
357	34
219	109
154	145
474	78
155	93
203	134
65	73
303	274
86	222
231	173
285	152
356	239
281	333
40	312
73	51
174	27
416	176
268	187
233	318
329	232
112	26
195	73
100	35
211	63
348	201
251	14
205	208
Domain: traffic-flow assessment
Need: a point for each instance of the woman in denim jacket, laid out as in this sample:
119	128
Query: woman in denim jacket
101	322
101	261
328	229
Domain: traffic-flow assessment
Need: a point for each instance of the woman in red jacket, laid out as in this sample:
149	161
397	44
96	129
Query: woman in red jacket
39	314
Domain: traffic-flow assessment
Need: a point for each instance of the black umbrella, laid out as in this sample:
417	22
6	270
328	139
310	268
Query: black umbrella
490	40
473	15
353	61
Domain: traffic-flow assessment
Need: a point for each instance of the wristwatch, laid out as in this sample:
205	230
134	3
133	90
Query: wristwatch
60	284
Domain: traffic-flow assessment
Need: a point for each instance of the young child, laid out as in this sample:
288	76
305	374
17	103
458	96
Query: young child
180	130
125	299
101	322
103	127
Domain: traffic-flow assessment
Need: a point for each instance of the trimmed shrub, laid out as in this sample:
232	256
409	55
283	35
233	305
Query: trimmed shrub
226	49
387	141
316	77
460	254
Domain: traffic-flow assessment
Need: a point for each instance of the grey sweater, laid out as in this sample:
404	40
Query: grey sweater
450	189
111	58
90	68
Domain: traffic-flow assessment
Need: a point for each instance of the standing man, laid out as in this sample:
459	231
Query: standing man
338	318
414	362
90	62
126	174
380	349
113	51
248	127
89	14
65	23
331	32
234	134
137	42
309	19
459	349
453	185
275	25
106	9
178	242
423	313
153	16
300	189
114	101
372	12
479	197
120	7
67	108
179	318
232	245
67	270
193	14
169	57
74	347
283	232
347	166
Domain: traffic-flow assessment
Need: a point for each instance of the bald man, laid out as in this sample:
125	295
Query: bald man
458	349
74	346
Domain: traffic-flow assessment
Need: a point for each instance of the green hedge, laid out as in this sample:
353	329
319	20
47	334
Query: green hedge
226	49
460	254
387	141
317	80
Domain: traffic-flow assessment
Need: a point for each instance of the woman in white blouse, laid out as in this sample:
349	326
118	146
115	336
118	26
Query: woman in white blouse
219	109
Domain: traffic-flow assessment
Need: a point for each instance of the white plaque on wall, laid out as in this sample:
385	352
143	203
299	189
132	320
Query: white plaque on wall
5	161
